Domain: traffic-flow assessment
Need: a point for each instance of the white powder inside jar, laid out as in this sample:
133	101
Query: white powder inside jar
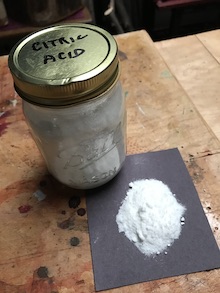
150	216
84	144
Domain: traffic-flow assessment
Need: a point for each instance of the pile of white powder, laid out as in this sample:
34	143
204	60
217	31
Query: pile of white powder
150	216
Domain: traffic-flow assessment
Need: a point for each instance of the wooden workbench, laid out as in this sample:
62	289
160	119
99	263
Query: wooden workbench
35	251
194	61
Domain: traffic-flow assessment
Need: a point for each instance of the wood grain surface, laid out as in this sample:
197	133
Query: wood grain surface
194	61
36	255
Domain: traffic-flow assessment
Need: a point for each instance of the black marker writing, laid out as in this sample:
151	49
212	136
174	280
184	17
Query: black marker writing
62	55
37	46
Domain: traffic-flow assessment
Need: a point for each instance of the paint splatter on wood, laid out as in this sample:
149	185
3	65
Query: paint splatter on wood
24	209
66	224
42	272
74	202
74	241
81	212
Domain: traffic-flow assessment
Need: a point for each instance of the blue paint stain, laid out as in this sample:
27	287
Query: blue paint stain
166	74
126	94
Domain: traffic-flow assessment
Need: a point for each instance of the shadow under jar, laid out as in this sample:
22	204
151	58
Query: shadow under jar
68	78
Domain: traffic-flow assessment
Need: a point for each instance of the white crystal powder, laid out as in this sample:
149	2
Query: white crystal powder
150	216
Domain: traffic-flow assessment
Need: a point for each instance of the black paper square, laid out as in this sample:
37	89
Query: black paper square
116	261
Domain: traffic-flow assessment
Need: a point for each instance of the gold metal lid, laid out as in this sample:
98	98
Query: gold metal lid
64	64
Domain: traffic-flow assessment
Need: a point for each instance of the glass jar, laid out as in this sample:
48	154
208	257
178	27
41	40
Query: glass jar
68	78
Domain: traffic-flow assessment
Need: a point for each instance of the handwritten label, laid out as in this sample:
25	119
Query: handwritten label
60	42
63	55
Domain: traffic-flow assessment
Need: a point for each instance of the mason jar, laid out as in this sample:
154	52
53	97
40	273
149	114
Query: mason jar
68	78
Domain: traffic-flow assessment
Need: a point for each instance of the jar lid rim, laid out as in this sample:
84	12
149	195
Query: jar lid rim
63	61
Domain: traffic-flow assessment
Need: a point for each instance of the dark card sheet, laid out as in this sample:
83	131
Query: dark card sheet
116	260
